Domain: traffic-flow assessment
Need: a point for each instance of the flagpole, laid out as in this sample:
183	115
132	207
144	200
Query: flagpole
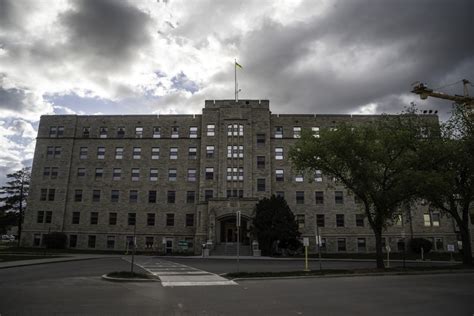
235	80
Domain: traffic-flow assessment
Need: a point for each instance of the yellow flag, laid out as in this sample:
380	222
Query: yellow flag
238	65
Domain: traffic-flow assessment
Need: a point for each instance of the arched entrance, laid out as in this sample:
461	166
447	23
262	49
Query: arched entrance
227	230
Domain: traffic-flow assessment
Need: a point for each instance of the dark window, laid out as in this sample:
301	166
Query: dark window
340	220
208	194
280	194
280	175
300	220
83	152
95	195
46	171
260	139
53	131
338	197
341	244
151	196
192	153
261	185
51	194
171	196
261	162
320	220
54	172
57	152
150	219
360	220
149	242
91	241
209	173
169	219
110	242
103	132
132	219
76	217
361	245
36	239
99	172
40	217
189	220
50	152
299	197
86	132
49	217
81	172
133	197
78	195
113	218
319	197
190	196
120	132
94	218
60	131
44	194
209	151
72	241
114	196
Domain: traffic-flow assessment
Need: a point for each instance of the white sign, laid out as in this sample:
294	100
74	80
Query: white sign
306	241
238	214
318	240
387	247
451	248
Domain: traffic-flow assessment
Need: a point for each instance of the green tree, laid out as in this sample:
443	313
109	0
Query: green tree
14	195
274	221
374	160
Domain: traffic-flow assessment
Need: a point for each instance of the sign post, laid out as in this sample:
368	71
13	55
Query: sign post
387	247
237	221
318	242
306	244
450	250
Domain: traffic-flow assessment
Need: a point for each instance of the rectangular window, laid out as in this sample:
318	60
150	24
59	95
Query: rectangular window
339	220
57	151
95	195
280	175
172	174
51	194
171	197
299	197
113	218
150	219
318	176
209	173
149	241
361	245
100	152
174	132
153	174
44	194
152	196
341	244
50	151
323	244
155	153
46	172
99	172
297	132
190	196
76	217
236	151
53	131
156	132
60	131
110	242
40	217
103	132
299	178
279	153
86	131
189	220
278	131
435	219
118	152
211	130
49	217
83	152
319	197
193	132
169	219
208	194
72	241
138	132
54	172
360	220
300	219
37	240
260	162
261	185
135	174
132	219
338	197
137	153
133	197
116	173
192	153
94	218
320	220
209	151
174	153
191	175
280	194
91	241
120	132
114	196
260	140
315	131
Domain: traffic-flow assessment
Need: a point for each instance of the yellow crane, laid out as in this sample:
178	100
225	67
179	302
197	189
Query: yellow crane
464	100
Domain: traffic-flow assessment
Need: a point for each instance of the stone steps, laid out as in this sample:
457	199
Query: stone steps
230	249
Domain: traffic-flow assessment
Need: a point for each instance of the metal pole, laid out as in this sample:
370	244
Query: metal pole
404	250
237	221
134	242
319	246
235	80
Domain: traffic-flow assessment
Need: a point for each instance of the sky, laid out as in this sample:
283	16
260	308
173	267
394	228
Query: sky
168	56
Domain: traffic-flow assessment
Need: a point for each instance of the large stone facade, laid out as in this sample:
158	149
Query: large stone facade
178	180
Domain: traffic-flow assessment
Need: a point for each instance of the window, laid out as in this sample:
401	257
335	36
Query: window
172	174
261	185
118	152
297	132
299	197
192	153
86	132
209	151
341	244
209	173
235	174
54	172
83	151
120	132
299	178
193	130
339	220
320	220
279	153
323	244
360	220
318	176
36	239
338	197
315	131
427	219
49	217
235	151
53	131
152	196
280	175
135	174
361	245
435	217
133	196
76	217
95	195
235	193
132	219
50	151
155	153
100	152
94	218
300	220
280	194
156	132
72	241
235	130
431	219
398	220
279	132
189	220
116	174
169	219
174	153
57	151
149	241
114	196
40	217
260	140
78	196
260	162
137	153
43	194
91	241
150	219
208	194
319	197
51	194
99	172
211	130
113	218
174	132
191	175
153	174
138	132
103	132
171	197
46	171
110	242
190	196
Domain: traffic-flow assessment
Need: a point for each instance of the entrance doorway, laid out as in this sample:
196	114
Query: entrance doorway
228	230
169	246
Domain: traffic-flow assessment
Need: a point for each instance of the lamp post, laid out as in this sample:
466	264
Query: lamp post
404	248
134	246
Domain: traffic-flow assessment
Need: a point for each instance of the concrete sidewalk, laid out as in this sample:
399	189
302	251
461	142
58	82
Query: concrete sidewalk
65	257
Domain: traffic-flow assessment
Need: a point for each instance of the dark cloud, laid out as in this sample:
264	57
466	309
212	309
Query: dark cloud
12	99
182	82
10	14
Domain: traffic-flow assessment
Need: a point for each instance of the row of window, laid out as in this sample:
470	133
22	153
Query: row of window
321	220
137	153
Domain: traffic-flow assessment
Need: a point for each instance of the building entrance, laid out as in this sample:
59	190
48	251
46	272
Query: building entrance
228	230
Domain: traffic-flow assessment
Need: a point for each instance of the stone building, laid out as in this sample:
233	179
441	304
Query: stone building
176	181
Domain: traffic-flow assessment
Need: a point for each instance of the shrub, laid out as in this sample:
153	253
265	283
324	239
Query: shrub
55	240
417	243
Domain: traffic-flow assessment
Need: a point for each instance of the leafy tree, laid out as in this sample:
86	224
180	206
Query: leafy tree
374	160
55	240
13	195
417	243
274	221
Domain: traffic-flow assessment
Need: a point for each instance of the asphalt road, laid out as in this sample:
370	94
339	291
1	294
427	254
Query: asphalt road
75	288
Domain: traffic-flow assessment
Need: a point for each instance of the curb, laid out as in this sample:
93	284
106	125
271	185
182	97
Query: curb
26	264
112	279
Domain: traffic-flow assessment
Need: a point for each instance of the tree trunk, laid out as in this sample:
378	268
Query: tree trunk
378	249
466	244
